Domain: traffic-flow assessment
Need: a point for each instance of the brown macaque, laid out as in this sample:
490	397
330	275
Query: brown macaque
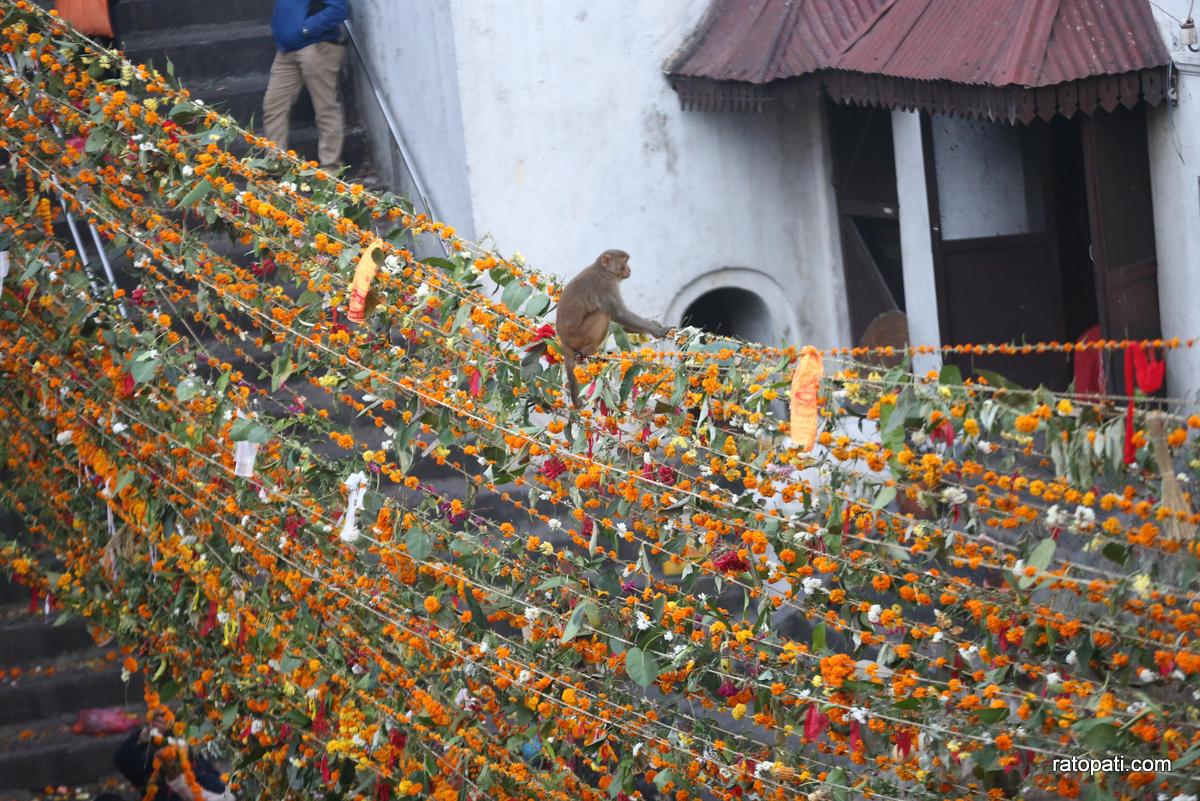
589	302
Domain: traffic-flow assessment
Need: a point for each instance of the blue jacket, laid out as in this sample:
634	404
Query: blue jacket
299	23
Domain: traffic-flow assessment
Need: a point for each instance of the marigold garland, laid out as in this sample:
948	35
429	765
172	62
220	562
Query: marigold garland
962	582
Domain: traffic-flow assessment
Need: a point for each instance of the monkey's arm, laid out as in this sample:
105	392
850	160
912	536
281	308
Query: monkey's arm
638	325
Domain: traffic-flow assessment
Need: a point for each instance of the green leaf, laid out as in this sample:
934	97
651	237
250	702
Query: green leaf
837	783
576	622
886	495
993	715
1043	553
997	380
1097	733
197	194
418	543
951	375
123	481
188	388
281	368
662	777
515	295
1188	758
640	667
1039	559
97	141
246	430
1116	552
818	638
537	304
143	371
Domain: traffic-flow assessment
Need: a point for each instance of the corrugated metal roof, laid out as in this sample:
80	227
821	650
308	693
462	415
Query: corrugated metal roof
759	41
1006	42
990	42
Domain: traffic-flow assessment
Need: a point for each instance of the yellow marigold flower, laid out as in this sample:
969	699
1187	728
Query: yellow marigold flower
739	712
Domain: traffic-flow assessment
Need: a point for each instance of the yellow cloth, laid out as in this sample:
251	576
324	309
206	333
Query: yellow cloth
806	380
364	274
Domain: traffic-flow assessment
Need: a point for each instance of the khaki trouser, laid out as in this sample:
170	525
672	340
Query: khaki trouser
316	67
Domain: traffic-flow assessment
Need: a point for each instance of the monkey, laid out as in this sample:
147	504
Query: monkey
589	302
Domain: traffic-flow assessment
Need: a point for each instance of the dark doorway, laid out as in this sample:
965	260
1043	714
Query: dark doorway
731	312
864	180
1071	214
1065	243
995	243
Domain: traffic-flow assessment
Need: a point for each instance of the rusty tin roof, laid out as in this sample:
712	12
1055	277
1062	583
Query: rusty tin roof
1028	43
759	41
747	44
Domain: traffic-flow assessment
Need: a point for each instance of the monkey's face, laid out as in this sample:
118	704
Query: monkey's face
618	267
616	263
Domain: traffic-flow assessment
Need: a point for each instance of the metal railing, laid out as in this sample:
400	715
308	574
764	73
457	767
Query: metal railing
397	144
80	247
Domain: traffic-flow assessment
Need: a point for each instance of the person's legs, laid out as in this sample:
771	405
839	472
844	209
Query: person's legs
322	66
283	88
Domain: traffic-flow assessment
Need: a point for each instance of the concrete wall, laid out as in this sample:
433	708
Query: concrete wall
1174	141
572	141
411	50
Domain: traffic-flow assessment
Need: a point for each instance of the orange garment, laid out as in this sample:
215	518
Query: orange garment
806	381
86	16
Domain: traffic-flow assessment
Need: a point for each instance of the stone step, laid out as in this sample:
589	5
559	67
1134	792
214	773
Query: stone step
153	15
48	753
66	691
33	638
11	592
205	51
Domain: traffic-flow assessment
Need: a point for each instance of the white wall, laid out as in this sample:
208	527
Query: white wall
1174	142
575	143
980	178
411	49
916	242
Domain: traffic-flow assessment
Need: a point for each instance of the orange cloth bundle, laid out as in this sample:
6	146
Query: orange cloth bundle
806	381
364	274
86	16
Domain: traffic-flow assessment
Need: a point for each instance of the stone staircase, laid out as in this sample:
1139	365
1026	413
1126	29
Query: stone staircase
222	50
48	673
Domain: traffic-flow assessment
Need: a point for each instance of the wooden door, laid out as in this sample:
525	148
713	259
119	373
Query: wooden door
999	288
1121	210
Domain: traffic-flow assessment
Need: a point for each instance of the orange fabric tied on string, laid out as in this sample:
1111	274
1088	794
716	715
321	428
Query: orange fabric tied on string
806	382
364	274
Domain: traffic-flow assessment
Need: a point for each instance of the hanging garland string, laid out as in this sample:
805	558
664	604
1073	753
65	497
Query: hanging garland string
962	582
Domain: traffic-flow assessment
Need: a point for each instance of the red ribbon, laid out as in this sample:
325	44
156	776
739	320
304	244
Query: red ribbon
1144	371
210	622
